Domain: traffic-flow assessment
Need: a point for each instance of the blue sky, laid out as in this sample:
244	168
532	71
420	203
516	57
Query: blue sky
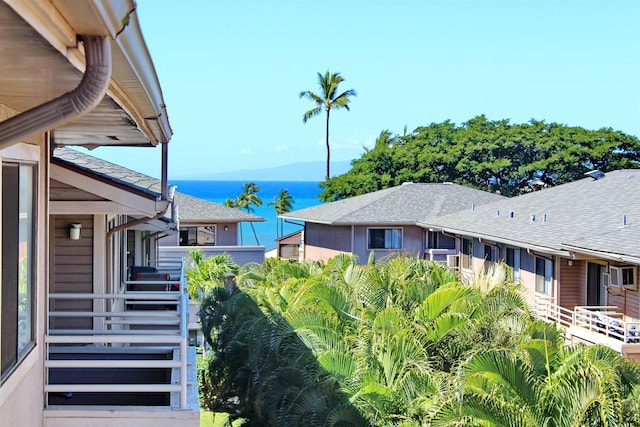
231	72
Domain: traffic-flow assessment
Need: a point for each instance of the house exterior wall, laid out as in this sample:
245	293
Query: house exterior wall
21	393
241	255
412	242
322	241
573	280
71	268
224	237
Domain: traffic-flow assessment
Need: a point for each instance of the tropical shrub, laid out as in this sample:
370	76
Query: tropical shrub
400	342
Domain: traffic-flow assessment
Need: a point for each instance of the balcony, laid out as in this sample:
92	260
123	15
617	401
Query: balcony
605	325
241	255
133	362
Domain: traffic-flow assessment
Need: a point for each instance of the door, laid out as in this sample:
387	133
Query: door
596	292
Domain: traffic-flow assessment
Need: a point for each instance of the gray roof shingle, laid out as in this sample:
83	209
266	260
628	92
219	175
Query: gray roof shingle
191	209
587	213
404	204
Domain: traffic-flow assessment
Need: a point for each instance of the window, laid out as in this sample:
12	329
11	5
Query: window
513	261
17	286
490	256
490	253
437	240
622	276
467	253
544	272
203	235
385	238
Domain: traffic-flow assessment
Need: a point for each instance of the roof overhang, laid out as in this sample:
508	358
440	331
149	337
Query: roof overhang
116	198
603	255
41	59
498	239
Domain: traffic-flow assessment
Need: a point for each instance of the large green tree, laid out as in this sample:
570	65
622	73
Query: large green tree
328	99
495	156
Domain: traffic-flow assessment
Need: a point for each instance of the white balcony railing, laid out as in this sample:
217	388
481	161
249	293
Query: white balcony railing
605	320
149	314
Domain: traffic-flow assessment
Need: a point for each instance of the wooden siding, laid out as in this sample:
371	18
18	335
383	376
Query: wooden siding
72	268
572	283
626	299
60	191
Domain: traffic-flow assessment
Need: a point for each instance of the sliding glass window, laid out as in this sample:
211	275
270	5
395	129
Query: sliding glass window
18	236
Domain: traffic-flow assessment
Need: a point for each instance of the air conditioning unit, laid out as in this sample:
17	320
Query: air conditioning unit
623	277
453	261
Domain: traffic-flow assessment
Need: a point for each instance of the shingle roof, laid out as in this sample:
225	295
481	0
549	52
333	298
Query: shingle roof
586	213
404	204
109	171
191	209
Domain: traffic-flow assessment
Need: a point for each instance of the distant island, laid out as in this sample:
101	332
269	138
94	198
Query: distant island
305	171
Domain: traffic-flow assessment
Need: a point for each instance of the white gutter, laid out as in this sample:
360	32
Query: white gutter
82	99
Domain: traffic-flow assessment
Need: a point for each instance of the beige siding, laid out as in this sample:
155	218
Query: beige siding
72	268
572	283
626	300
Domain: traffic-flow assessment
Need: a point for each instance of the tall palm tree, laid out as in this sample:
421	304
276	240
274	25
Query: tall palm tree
233	203
247	200
282	203
328	99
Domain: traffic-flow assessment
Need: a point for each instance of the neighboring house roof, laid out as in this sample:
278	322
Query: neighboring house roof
107	171
194	210
405	204
585	214
191	209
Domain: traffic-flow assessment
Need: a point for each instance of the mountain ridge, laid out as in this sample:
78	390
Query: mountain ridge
302	171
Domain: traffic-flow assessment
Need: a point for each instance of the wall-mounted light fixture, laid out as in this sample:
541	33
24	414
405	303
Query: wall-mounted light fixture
226	228
569	262
74	231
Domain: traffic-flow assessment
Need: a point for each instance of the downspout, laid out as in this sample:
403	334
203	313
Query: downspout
82	99
138	221
164	174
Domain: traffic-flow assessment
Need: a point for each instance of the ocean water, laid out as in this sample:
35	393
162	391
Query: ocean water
304	193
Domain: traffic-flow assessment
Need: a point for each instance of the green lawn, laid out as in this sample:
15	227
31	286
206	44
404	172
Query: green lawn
211	419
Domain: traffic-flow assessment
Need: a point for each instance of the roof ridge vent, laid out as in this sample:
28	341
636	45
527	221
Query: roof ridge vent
595	174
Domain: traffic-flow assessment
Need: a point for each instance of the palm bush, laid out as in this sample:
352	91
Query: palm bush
401	342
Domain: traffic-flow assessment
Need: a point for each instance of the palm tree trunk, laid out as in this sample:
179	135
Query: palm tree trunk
254	233
328	151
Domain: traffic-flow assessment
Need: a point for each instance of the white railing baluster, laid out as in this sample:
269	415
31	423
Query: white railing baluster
130	319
